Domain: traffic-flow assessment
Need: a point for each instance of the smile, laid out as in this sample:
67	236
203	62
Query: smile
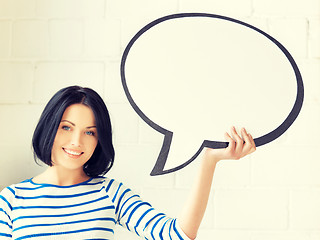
71	152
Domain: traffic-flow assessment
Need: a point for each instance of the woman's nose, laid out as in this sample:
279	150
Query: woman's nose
76	139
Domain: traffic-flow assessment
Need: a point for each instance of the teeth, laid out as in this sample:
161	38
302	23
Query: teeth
72	152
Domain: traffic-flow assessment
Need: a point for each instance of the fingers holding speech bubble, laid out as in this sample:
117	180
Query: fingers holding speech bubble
191	76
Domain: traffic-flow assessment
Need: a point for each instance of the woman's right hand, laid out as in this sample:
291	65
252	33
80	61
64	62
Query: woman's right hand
238	147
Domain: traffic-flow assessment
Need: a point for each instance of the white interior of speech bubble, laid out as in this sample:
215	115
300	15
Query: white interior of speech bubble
196	77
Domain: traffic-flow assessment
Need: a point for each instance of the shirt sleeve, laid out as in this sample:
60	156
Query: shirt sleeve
5	210
141	218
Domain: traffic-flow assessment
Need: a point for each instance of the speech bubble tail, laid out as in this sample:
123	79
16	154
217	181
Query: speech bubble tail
172	153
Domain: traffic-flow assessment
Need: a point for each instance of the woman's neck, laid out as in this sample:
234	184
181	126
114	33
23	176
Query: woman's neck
61	177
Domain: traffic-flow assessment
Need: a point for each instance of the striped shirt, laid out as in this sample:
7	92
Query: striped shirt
89	210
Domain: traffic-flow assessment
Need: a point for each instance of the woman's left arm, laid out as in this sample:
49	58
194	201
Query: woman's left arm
194	209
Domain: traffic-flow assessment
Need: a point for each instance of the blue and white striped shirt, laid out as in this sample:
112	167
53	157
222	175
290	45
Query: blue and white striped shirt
89	210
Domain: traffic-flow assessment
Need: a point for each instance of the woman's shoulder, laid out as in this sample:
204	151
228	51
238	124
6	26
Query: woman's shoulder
11	189
8	194
113	186
110	184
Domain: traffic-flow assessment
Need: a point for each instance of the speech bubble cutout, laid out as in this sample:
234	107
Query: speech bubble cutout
191	76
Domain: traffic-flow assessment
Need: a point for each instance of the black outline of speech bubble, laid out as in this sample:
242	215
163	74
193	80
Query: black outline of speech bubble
158	168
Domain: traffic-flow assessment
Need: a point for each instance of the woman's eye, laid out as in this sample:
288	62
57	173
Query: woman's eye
66	128
90	133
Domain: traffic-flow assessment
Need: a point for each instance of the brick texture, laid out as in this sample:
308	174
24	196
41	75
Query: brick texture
30	38
5	40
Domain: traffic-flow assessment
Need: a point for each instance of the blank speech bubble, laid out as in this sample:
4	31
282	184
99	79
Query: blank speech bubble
191	76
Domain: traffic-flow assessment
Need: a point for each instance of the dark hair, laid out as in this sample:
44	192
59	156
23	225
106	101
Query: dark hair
102	159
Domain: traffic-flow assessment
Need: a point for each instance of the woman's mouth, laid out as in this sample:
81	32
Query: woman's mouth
73	153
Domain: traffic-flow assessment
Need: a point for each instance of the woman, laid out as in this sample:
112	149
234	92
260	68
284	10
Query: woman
71	199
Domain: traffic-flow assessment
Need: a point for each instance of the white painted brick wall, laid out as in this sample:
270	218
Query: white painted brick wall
30	38
224	234
230	8
51	76
102	37
227	174
256	209
304	209
125	129
140	8
282	236
17	164
23	118
5	40
17	9
314	37
286	8
49	44
305	130
61	31
292	33
284	168
114	92
310	70
71	8
315	236
16	79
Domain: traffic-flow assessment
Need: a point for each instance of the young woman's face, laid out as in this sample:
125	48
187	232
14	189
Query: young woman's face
76	138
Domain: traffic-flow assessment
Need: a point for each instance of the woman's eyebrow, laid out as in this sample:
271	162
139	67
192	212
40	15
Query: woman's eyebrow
68	122
75	124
